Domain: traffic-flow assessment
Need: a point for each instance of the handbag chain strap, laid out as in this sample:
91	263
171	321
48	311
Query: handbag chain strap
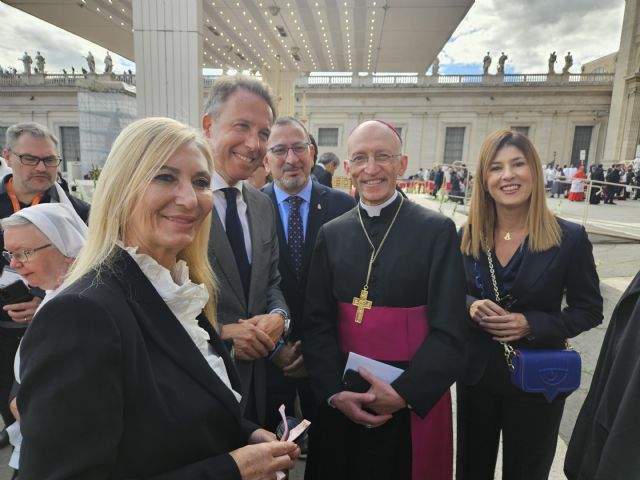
509	351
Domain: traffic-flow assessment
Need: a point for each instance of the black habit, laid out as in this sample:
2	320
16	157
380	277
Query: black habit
605	443
420	264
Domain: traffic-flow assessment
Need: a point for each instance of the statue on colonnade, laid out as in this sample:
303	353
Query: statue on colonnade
435	66
91	63
553	58
486	63
568	62
26	62
40	62
108	64
501	61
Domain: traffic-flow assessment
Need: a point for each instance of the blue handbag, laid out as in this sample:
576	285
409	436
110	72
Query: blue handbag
549	372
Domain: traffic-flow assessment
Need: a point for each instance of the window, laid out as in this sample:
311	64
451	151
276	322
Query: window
69	145
327	137
522	130
3	137
453	144
581	141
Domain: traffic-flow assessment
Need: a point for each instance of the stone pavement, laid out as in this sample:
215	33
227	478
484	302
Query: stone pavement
617	262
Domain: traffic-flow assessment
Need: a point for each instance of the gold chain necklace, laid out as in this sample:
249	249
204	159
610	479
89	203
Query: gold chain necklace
361	302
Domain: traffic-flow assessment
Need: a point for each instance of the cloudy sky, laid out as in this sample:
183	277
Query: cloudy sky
526	30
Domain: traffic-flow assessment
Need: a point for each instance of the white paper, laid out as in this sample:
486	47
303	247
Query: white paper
384	372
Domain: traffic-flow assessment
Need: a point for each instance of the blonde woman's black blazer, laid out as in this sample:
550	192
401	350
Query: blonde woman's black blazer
114	388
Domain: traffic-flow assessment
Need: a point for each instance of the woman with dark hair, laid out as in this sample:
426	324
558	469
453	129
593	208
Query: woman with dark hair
520	260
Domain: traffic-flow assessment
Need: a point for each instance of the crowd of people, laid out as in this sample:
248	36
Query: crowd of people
160	341
618	182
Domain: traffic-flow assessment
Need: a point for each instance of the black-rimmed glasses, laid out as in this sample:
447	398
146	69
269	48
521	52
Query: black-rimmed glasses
22	256
32	160
283	150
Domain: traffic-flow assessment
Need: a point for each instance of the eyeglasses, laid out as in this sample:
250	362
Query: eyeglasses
282	151
379	158
32	160
22	256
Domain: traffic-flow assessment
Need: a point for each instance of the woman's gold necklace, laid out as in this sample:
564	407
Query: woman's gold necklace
507	236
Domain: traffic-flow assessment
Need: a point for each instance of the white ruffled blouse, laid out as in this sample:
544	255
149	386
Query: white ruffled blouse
186	301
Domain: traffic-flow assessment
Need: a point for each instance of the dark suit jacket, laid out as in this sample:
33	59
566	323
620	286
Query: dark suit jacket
539	288
113	388
323	177
605	442
326	204
264	290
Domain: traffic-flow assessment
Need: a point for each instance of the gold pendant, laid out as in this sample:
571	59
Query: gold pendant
361	303
507	236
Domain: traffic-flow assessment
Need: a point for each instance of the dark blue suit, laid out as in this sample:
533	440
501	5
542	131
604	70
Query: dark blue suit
487	402
326	204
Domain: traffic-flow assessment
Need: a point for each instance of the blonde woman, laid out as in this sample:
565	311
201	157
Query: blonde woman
536	259
123	374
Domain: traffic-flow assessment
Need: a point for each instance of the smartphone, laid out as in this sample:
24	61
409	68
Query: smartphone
353	382
17	292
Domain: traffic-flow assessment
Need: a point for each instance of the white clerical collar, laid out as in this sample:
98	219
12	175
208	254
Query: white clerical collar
218	183
374	210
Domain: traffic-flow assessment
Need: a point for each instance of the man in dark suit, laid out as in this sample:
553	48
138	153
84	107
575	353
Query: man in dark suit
613	176
29	184
325	168
302	207
243	247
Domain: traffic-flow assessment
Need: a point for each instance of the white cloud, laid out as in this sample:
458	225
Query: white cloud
526	30
529	30
22	32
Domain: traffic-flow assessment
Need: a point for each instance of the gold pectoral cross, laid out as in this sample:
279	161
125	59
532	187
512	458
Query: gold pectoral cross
362	303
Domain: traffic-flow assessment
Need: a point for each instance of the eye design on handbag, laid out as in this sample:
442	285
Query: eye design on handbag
553	376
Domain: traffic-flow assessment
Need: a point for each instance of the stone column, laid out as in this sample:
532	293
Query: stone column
283	84
168	55
626	67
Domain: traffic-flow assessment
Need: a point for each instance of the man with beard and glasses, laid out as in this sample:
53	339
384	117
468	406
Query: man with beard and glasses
32	153
302	207
243	246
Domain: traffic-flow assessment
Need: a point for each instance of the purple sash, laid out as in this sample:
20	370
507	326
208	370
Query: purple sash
394	334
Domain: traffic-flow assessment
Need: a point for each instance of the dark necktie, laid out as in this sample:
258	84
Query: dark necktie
295	234
236	238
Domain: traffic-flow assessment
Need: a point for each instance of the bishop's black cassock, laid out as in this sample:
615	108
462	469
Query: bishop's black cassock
419	271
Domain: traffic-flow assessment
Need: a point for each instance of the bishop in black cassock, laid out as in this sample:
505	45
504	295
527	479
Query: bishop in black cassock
416	320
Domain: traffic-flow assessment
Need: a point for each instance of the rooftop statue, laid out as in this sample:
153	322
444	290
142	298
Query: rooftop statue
486	63
40	62
108	64
501	61
568	62
91	63
553	58
26	62
435	66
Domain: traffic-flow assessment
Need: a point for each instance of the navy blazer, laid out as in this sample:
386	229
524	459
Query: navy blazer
541	283
326	204
113	387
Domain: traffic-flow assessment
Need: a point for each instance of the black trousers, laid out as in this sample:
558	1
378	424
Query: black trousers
283	390
9	342
529	426
610	194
